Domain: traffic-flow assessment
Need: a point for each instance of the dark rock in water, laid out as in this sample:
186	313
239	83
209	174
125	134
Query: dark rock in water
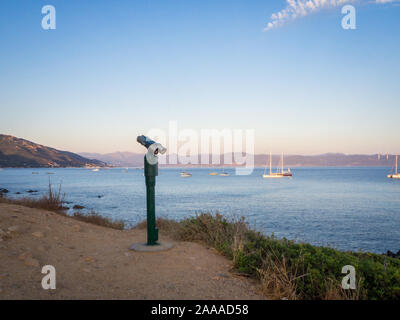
392	254
78	207
32	191
100	196
2	190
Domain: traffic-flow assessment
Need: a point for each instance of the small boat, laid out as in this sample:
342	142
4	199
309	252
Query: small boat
213	173
280	174
95	170
396	174
185	174
287	173
223	173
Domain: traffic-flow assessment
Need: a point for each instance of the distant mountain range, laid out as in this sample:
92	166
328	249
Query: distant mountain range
129	159
15	152
118	159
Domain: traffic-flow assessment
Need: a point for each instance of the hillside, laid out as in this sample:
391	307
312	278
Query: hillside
16	152
119	159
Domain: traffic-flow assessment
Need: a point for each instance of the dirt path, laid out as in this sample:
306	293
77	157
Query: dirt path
93	262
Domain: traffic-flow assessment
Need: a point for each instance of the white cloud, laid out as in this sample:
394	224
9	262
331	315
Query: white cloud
301	8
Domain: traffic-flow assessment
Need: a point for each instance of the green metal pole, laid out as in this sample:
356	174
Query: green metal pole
150	172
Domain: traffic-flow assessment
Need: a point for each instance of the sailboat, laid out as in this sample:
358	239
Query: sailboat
280	174
396	174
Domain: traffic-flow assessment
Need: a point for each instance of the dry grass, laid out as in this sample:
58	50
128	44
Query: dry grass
278	280
334	291
94	218
54	200
213	230
171	227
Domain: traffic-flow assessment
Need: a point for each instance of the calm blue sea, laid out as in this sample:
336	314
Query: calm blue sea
346	208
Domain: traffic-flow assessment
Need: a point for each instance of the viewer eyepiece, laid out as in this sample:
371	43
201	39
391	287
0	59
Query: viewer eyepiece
153	148
145	141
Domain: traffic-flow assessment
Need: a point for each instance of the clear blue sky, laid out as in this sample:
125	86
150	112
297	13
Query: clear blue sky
113	69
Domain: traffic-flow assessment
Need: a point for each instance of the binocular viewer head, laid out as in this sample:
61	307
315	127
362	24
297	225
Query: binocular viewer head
153	148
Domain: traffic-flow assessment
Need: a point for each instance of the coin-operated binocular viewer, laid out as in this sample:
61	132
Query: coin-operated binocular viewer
150	173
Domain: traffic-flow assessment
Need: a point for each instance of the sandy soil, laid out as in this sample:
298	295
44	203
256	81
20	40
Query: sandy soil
93	262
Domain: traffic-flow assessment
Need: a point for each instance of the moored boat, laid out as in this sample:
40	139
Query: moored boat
223	173
396	174
185	174
278	174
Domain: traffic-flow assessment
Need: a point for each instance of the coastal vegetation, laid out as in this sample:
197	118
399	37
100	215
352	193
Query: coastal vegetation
286	269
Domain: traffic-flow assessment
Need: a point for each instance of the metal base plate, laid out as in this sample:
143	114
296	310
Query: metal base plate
160	246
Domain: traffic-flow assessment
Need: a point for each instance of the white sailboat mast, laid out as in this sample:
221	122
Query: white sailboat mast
282	163
265	168
270	163
397	159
